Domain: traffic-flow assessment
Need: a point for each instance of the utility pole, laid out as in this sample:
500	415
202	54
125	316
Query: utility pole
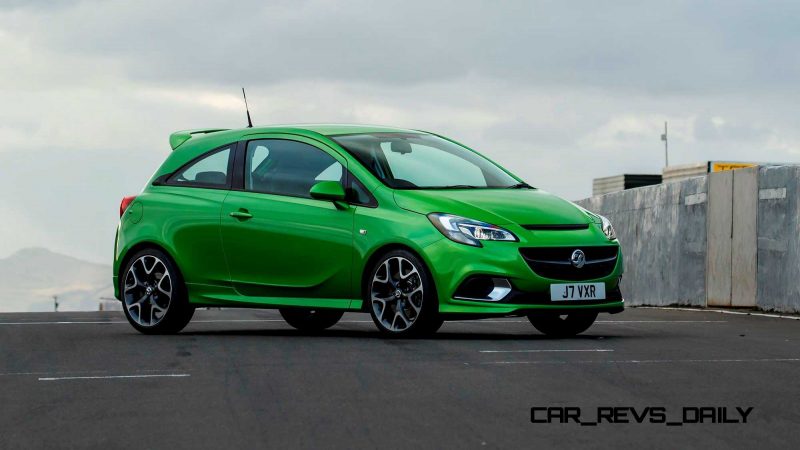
666	145
55	303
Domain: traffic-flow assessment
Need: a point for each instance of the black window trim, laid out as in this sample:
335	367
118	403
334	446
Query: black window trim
237	183
166	179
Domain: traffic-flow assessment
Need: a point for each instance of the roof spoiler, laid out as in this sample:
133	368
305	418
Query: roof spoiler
177	138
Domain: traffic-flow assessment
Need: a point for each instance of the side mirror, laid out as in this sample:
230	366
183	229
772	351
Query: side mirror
328	190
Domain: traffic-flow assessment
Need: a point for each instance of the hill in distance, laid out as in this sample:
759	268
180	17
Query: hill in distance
31	277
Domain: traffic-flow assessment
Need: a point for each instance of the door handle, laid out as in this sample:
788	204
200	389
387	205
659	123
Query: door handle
243	215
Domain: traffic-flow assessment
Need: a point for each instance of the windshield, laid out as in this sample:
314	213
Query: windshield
423	161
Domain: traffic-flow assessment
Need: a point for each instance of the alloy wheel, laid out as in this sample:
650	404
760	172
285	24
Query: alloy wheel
147	290
396	294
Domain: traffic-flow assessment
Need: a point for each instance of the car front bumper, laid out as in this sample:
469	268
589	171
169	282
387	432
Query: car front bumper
452	264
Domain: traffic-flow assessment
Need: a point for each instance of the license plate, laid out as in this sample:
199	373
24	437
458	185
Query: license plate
577	291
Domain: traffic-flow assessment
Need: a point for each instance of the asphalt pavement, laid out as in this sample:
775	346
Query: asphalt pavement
245	379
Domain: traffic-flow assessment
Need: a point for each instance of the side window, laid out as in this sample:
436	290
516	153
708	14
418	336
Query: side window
358	194
331	173
211	170
278	166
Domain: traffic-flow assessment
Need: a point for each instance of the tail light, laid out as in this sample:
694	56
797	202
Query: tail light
125	203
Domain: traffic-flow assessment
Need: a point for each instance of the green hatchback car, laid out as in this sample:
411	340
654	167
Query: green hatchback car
316	220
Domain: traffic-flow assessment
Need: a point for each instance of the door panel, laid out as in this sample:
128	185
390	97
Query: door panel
279	242
289	247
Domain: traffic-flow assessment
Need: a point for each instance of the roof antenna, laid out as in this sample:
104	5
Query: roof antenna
249	121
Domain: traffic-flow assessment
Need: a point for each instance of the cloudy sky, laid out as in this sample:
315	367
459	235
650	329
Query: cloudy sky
558	91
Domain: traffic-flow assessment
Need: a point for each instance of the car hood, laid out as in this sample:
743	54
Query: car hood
496	206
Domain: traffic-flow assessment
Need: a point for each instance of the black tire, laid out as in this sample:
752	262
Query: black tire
568	325
178	311
311	320
424	322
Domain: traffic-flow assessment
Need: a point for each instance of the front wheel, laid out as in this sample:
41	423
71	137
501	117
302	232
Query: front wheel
562	325
402	297
154	297
311	320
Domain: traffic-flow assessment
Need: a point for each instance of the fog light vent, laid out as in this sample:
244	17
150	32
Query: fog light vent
486	289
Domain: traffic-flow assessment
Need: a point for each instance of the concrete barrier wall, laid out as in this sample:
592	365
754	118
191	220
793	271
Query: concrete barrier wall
744	237
662	230
719	227
729	239
778	261
731	230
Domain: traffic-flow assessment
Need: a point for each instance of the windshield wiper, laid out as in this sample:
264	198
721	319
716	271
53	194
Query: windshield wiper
520	185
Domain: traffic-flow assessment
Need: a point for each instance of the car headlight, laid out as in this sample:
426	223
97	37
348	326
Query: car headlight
468	231
608	230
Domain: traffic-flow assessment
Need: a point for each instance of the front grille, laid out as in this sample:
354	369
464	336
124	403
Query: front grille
557	227
554	262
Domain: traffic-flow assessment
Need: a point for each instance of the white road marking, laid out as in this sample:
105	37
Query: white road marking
85	322
235	320
644	361
71	372
64	323
547	350
489	321
661	321
266	320
358	321
98	322
117	322
597	321
16	374
723	311
116	377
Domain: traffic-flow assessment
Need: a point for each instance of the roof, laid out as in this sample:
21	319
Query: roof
177	138
334	129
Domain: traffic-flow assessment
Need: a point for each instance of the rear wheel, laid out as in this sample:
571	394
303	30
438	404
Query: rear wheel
562	325
402	298
311	320
154	297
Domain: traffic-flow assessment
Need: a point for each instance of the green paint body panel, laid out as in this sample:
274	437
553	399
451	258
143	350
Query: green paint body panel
307	252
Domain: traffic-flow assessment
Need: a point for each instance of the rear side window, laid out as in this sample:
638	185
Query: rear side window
283	167
210	170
